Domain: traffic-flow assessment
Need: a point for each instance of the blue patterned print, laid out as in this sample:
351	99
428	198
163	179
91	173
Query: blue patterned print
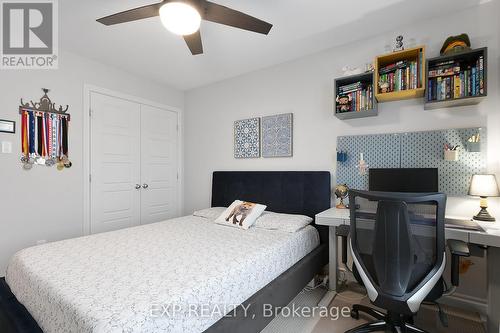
247	138
277	135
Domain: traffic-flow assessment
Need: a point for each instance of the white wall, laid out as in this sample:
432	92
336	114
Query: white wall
305	87
44	203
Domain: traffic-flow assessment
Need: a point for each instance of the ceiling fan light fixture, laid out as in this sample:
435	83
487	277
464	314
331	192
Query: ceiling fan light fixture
180	18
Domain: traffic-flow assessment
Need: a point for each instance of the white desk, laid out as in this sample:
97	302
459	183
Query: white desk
334	217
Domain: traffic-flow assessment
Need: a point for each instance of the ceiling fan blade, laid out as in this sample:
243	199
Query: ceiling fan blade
227	16
132	14
194	43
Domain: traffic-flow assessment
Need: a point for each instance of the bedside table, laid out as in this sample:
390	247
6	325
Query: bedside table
333	218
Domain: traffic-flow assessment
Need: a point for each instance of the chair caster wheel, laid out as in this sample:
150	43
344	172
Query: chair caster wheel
355	314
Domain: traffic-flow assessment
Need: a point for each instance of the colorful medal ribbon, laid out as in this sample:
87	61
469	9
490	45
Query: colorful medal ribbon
31	132
65	124
54	137
65	136
24	135
44	136
46	133
59	136
39	134
49	135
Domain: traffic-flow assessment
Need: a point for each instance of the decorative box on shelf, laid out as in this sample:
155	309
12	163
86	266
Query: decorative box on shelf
400	75
354	96
457	79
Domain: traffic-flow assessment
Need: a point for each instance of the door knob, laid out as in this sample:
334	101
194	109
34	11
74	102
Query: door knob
145	186
137	186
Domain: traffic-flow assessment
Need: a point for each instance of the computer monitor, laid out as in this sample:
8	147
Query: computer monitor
416	180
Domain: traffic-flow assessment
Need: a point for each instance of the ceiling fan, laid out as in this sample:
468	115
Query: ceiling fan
183	17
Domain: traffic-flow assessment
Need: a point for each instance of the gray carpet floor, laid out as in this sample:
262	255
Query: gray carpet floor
459	321
294	324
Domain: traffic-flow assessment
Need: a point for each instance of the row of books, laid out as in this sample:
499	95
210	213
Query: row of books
402	75
446	80
360	96
451	79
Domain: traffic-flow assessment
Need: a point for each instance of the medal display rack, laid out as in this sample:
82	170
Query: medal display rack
44	134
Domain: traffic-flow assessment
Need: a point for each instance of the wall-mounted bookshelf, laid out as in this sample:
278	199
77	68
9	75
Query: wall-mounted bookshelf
457	79
360	88
400	75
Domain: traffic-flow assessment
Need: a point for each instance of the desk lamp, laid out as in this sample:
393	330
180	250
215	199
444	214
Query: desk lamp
484	186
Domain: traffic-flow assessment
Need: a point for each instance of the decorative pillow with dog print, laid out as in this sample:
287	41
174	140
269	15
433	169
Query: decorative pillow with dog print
241	214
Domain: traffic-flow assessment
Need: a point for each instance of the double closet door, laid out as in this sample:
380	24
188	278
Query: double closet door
134	163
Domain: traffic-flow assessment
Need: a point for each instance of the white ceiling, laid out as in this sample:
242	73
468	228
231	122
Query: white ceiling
301	27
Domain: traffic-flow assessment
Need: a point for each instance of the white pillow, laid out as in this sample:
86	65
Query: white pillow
283	222
210	213
241	214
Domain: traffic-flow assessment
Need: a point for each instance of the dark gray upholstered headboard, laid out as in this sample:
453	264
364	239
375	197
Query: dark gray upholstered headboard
291	192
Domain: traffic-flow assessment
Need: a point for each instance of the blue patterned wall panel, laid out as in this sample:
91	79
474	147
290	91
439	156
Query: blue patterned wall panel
426	150
277	135
380	151
247	138
414	150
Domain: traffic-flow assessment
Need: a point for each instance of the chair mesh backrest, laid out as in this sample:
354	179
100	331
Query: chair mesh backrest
396	238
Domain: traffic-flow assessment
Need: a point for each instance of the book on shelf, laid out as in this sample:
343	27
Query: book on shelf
349	88
402	75
454	79
360	96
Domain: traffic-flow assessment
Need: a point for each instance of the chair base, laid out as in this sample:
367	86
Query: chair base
384	322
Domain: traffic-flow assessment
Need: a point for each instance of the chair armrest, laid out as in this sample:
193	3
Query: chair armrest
457	249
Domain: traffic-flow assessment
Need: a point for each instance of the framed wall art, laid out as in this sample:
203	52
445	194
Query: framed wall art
277	135
247	138
7	126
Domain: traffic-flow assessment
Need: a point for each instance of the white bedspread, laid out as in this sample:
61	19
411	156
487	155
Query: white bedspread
144	279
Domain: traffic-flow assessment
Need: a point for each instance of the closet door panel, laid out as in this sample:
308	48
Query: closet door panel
115	163
159	150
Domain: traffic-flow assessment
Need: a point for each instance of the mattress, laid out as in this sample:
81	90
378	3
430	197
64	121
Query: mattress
180	275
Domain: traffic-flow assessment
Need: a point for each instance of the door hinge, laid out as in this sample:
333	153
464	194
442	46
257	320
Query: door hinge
177	176
90	112
90	178
177	126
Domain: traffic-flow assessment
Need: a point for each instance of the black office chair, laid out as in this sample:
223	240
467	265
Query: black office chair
398	250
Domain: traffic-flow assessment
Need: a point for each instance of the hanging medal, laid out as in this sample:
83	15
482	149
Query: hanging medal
48	120
39	136
30	126
44	138
24	138
60	163
66	161
53	155
31	143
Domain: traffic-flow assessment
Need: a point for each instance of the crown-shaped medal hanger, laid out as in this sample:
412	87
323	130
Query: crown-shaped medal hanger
45	105
44	133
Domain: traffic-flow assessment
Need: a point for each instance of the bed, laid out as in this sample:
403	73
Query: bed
137	279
